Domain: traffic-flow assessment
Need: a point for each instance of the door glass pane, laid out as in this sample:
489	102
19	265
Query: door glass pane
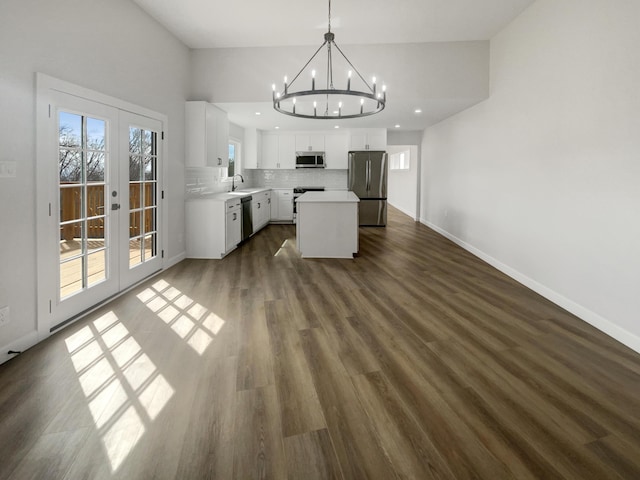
150	220
82	160
70	130
95	167
142	195
135	168
149	168
135	228
70	166
149	194
149	246
71	274
135	195
71	244
71	203
135	252
96	267
96	134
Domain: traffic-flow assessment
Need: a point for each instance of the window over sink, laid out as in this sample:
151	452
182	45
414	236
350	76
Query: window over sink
235	148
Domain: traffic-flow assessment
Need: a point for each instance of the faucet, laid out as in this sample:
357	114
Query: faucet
233	185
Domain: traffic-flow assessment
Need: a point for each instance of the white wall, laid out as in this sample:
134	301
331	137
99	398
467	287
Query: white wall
112	47
442	70
543	178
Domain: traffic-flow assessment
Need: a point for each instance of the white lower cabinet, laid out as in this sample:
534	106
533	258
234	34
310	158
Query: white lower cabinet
260	210
233	233
282	205
213	227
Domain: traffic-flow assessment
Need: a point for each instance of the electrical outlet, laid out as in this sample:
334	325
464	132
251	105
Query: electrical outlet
4	315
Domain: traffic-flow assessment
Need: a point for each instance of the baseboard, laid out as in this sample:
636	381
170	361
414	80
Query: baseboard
19	345
620	334
175	260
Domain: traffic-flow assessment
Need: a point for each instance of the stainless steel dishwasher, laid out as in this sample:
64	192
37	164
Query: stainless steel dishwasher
247	222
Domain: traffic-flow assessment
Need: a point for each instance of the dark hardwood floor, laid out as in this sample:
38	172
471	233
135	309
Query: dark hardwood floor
415	360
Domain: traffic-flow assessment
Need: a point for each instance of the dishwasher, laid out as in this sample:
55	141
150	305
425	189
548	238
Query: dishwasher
247	222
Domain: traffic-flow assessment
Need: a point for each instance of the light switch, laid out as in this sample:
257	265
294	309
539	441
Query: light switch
8	169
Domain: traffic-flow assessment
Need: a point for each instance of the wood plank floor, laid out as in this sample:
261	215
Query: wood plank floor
415	360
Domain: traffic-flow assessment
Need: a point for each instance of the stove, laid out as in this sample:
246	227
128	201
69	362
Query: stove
297	191
301	190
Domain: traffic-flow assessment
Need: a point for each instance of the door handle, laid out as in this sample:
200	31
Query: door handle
115	206
368	175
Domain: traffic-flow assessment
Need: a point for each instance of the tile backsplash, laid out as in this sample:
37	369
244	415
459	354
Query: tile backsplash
203	180
303	177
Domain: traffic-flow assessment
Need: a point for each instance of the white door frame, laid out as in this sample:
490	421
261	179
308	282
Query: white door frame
46	87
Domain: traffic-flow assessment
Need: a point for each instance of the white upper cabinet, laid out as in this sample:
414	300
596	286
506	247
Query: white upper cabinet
269	151
368	139
278	151
252	148
336	151
286	150
206	135
310	142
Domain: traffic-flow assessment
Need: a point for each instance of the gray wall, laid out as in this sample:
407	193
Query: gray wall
112	47
543	178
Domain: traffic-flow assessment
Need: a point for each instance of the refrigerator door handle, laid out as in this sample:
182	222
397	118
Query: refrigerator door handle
368	175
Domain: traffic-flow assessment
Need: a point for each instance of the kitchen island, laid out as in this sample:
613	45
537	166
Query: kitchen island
327	224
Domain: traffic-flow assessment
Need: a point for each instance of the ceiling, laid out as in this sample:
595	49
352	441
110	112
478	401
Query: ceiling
202	24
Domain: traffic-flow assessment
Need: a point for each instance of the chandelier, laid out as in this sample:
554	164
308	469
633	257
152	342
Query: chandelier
330	103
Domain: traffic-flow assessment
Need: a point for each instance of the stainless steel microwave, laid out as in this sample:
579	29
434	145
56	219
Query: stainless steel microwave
310	160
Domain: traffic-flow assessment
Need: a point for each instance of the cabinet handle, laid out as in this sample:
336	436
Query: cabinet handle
219	161
235	216
258	204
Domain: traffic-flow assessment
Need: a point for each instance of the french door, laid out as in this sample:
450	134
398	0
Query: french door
100	173
140	152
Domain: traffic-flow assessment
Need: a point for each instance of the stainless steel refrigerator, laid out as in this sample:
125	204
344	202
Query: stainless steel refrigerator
368	180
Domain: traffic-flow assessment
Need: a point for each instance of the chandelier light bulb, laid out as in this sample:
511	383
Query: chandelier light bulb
313	79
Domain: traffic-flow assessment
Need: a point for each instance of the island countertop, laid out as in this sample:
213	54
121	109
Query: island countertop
328	196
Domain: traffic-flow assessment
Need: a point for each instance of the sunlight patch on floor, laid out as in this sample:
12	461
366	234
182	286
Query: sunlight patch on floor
191	321
125	391
279	251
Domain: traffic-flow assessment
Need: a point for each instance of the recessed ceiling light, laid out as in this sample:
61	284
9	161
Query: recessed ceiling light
337	126
277	128
397	126
258	113
417	110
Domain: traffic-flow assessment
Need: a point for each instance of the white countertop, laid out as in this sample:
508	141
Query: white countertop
328	196
224	196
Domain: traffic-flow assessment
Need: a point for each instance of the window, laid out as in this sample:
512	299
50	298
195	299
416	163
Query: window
400	160
234	160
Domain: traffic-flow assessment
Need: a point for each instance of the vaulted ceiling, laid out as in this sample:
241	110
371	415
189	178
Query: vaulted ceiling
262	23
216	24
